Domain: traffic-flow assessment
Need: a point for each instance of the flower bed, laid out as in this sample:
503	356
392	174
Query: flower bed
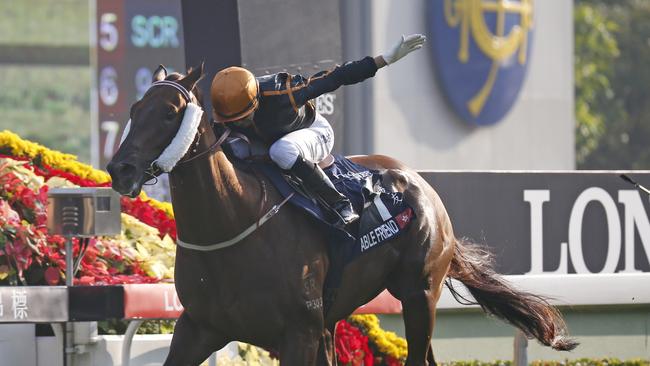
29	255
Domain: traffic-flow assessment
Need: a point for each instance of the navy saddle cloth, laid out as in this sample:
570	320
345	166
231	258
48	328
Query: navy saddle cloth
384	214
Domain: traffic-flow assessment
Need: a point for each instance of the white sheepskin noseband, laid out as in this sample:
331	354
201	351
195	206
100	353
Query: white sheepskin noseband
183	139
185	135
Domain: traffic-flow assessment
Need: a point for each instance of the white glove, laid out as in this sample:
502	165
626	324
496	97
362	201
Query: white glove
405	46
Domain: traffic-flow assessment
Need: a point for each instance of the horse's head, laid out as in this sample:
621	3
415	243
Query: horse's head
163	124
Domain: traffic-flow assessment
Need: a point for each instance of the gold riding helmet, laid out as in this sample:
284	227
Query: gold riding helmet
234	93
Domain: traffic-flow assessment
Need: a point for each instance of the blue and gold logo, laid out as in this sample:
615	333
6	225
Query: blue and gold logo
481	49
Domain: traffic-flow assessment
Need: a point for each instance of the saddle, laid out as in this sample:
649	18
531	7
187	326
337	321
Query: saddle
375	203
384	214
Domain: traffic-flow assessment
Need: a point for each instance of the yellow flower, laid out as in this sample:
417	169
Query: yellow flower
58	182
66	162
134	228
156	255
4	271
164	206
137	240
58	160
27	176
387	342
254	356
224	360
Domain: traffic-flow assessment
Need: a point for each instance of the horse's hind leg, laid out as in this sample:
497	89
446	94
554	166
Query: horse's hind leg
419	320
430	358
418	323
419	293
191	343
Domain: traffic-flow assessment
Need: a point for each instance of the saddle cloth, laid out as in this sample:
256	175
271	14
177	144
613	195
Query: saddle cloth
384	214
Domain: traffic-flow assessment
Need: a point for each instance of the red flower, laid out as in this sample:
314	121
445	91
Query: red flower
7	215
352	346
134	207
84	281
24	238
52	276
150	216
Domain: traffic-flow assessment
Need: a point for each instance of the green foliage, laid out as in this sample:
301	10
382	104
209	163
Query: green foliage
112	327
612	76
476	363
157	327
595	51
578	362
118	326
593	362
44	22
49	105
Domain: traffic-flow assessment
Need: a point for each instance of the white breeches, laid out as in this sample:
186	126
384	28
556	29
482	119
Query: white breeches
314	143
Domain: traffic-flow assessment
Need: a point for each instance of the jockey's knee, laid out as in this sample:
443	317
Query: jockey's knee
284	153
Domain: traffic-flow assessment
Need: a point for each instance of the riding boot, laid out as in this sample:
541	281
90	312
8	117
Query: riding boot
316	182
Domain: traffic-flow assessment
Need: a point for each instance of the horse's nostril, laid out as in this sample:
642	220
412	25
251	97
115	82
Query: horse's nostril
118	170
125	177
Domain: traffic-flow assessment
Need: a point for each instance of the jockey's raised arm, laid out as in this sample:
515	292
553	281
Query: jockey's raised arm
279	109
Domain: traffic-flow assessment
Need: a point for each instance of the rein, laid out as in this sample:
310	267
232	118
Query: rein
211	149
153	169
224	244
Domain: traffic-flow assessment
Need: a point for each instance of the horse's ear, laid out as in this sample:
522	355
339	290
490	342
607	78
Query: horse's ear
193	76
159	74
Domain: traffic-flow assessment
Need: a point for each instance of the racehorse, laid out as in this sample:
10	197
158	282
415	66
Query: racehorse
267	289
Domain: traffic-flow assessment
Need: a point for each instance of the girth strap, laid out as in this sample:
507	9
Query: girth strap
224	244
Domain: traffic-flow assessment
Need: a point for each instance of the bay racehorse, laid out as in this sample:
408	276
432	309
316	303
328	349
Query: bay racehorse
267	289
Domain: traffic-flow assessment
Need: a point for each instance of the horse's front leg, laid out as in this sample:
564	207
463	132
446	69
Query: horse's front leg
192	343
326	353
299	346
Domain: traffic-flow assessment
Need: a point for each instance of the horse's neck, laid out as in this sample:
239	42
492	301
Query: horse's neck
212	199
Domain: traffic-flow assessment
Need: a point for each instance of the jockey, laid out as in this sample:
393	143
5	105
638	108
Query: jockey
279	108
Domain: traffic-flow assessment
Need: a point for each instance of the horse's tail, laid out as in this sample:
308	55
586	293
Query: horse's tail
473	266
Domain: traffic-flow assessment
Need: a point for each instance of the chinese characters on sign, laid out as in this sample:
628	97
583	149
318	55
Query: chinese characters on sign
19	304
13	304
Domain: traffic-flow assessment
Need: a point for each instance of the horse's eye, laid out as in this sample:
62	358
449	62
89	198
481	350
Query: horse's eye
171	114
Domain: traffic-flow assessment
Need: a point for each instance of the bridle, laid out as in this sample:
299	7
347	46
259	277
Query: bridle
154	171
209	150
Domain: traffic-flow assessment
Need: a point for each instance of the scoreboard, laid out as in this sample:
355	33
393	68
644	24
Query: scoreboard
130	38
308	40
